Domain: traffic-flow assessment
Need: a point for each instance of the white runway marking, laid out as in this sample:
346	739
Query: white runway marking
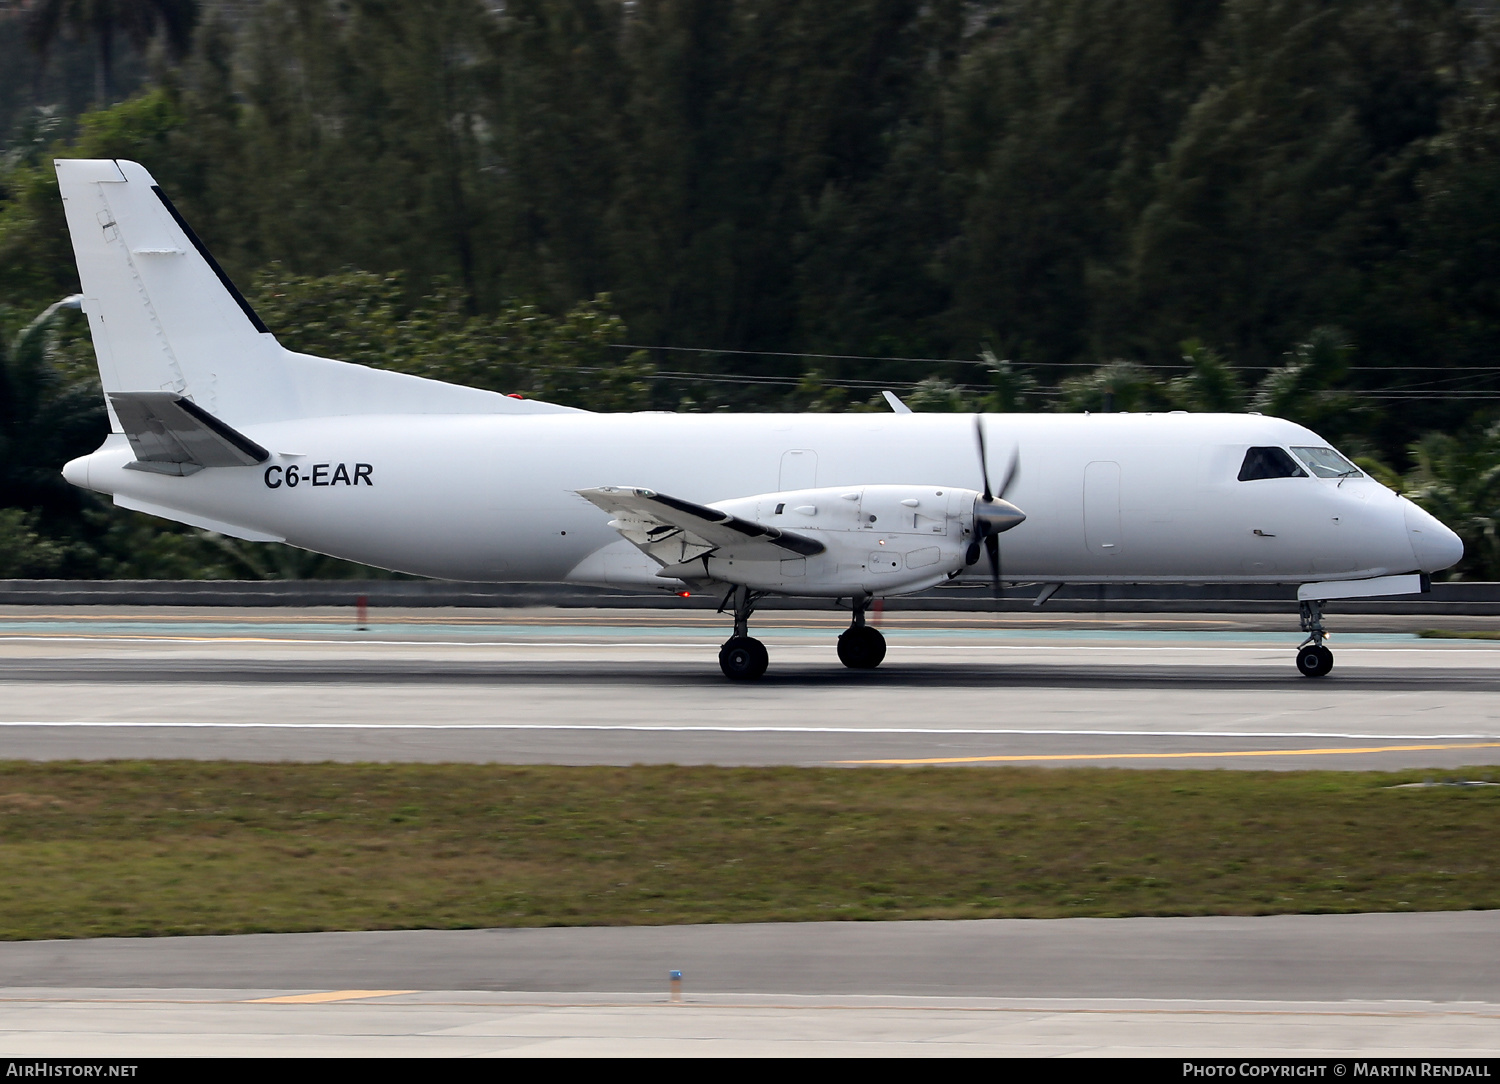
694	728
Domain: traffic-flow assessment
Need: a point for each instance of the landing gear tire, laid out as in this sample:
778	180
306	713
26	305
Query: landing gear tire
861	647
1314	660
743	658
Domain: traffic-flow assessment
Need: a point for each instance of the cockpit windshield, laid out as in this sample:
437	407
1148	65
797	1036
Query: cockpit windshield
1269	463
1327	463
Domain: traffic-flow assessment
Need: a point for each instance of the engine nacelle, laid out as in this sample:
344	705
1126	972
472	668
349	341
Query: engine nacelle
880	540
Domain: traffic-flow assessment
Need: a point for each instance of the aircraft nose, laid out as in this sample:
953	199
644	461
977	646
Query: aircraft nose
1435	546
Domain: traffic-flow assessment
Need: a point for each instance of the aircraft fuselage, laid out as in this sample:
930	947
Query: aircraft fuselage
1108	497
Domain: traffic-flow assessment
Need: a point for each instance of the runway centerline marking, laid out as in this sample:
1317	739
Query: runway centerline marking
1175	756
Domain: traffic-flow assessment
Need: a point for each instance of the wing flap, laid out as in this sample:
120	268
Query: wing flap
173	435
674	531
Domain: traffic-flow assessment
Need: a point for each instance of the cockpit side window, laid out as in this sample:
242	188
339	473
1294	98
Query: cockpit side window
1327	463
1269	463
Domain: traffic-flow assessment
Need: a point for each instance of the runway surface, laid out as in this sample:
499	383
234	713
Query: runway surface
622	687
1372	985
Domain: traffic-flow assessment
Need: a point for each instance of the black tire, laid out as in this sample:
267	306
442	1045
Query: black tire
1314	661
861	647
743	658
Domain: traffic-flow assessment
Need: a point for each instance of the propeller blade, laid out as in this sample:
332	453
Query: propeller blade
984	468
993	515
1012	473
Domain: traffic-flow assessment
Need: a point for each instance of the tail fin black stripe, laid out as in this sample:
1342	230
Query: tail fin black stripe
209	259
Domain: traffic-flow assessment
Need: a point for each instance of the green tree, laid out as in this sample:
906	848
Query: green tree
1457	479
103	21
1014	391
936	395
1119	385
365	318
815	395
553	101
44	422
36	256
1306	389
23	552
1211	387
1060	112
1289	173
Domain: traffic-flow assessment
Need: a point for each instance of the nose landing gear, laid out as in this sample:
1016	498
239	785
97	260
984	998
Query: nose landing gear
1313	659
742	658
861	647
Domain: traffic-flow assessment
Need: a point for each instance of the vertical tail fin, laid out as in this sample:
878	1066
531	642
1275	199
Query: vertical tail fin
165	318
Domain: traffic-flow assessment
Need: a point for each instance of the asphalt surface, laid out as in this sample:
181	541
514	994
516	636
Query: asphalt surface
612	687
1442	957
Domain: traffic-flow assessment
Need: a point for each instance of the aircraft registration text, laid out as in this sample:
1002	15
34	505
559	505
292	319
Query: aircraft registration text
320	474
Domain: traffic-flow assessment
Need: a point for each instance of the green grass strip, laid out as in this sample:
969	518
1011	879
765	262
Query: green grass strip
1458	634
188	847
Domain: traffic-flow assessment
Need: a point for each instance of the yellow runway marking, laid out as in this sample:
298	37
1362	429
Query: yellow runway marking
319	999
1179	756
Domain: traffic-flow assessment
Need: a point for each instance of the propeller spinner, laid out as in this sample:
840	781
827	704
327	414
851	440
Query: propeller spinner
993	514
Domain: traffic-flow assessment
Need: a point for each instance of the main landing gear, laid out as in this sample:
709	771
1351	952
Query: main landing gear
1313	659
861	647
742	658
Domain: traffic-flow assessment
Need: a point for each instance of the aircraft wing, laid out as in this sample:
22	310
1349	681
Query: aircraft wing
674	531
173	435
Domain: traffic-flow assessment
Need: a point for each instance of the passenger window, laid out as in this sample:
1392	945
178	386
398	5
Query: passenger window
1327	463
1269	463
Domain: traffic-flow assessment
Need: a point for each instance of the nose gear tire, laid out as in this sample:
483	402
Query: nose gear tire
1315	660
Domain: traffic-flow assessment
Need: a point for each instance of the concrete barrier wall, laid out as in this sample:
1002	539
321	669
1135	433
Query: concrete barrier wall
1445	598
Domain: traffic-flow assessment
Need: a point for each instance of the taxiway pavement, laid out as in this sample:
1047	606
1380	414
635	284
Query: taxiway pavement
1305	985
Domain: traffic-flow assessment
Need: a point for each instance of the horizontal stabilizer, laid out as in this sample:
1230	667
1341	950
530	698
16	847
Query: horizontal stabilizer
173	435
675	531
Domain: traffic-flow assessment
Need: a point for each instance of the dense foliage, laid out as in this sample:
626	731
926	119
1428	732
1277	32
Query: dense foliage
1279	205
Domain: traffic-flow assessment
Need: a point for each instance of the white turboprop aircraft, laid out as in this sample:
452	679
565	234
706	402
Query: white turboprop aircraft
215	424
